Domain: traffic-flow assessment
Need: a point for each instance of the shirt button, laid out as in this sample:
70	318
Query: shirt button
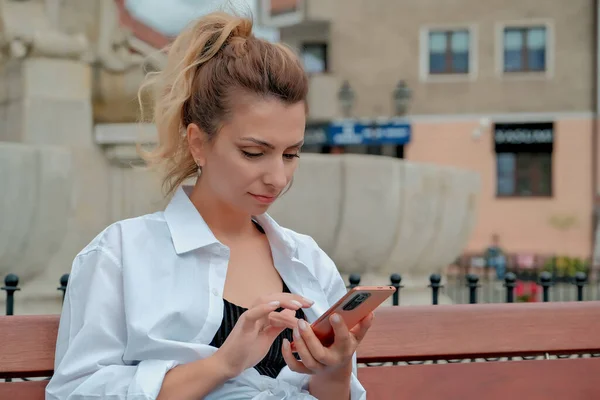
215	292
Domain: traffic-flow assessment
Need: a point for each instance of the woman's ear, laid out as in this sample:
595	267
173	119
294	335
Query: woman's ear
196	138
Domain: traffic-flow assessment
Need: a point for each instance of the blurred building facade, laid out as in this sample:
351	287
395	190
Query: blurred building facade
507	88
69	75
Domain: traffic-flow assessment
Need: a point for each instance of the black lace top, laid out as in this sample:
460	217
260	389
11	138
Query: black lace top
273	362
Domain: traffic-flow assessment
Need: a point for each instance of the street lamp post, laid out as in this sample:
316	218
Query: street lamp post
346	97
401	97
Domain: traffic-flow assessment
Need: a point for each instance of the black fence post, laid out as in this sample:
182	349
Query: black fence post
396	280
354	280
510	281
580	281
546	282
11	285
435	285
64	280
472	284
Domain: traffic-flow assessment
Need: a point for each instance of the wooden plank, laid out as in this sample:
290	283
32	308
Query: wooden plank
567	379
23	390
481	330
28	345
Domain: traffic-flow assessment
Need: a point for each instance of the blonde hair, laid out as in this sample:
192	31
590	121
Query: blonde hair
210	62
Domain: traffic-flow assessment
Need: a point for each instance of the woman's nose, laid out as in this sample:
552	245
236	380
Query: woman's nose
276	176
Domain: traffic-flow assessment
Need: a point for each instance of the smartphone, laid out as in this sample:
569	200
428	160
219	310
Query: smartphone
352	308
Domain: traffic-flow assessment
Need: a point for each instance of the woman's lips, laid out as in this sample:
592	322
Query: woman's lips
264	199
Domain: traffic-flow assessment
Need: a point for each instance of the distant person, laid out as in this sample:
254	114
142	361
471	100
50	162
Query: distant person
495	257
202	300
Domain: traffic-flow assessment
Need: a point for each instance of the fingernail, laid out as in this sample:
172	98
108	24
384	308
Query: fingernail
309	301
336	318
286	344
302	324
296	303
296	333
275	303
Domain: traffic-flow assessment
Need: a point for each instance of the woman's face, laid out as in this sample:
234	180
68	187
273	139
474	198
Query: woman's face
254	156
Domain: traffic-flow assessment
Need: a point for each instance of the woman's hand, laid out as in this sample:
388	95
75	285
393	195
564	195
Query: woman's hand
257	328
316	358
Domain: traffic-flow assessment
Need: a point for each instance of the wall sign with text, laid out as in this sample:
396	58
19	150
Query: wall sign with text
524	137
350	132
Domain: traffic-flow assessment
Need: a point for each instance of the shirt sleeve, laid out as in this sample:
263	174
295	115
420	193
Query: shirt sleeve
335	288
92	338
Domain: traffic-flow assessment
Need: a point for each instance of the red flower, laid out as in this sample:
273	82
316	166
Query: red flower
526	291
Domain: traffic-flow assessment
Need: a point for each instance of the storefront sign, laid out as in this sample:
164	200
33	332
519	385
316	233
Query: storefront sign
524	137
376	133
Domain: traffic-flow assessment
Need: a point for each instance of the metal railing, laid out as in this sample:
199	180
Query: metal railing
470	285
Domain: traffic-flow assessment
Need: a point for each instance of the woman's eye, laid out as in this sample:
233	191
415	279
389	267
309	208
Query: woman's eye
251	155
291	156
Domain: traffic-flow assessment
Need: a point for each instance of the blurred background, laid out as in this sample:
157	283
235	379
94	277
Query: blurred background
454	143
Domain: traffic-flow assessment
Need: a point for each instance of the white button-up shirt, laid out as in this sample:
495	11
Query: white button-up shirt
146	295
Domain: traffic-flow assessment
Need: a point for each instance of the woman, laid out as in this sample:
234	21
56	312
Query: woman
203	299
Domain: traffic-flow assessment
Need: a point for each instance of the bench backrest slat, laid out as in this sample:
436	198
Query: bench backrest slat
468	331
27	345
573	379
23	390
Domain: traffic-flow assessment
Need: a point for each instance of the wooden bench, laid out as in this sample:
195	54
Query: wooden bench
484	331
404	334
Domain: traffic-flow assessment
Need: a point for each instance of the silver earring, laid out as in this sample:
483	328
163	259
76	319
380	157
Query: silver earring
199	166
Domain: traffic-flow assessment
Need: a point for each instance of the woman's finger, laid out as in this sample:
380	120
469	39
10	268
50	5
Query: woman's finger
319	353
261	311
287	300
343	340
305	355
285	318
291	361
361	329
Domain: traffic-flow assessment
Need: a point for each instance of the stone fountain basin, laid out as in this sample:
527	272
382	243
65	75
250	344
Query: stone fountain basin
381	215
35	202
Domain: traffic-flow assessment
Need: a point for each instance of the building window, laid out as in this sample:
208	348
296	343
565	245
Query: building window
524	174
524	159
449	51
525	49
314	57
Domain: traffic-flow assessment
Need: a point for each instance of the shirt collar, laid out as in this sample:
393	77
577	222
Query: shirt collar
189	231
278	237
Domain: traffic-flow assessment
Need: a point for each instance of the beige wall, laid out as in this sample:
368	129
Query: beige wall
375	43
524	225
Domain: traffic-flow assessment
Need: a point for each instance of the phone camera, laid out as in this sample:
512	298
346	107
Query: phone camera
356	301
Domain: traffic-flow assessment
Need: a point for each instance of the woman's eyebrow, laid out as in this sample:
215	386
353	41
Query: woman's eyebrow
259	142
267	144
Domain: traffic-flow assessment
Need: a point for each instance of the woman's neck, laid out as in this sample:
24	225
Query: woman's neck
225	222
